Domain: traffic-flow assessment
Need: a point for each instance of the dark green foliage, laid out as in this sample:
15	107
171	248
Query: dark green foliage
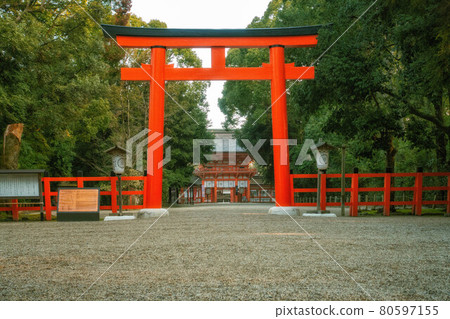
381	89
61	78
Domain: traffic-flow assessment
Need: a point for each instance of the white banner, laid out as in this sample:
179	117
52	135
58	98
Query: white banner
227	309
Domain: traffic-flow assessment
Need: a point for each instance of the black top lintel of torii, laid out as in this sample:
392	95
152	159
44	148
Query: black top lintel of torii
114	30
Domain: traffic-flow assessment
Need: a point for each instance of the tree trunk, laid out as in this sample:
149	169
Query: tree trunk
441	138
11	149
441	152
391	151
170	195
11	146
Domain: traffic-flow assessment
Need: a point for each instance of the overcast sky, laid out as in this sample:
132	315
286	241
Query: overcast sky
206	14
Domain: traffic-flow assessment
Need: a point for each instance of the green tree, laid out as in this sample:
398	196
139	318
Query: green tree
384	80
184	114
420	32
52	80
61	77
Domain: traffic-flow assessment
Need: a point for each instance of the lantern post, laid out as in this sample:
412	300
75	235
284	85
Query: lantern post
322	155
118	162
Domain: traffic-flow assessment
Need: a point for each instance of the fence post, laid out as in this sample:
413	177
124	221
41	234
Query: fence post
113	180
448	196
387	192
343	181
418	192
145	199
414	199
80	182
15	209
48	199
323	191
292	191
354	194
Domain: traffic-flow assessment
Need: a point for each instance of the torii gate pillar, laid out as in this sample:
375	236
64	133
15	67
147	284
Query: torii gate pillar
153	191
280	128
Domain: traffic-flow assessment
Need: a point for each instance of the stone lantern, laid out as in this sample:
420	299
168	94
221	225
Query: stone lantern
118	164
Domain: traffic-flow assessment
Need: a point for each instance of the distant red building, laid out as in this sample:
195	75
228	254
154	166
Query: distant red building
228	176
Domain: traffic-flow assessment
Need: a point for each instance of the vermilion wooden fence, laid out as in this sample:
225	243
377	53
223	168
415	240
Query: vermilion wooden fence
264	194
354	190
418	190
50	196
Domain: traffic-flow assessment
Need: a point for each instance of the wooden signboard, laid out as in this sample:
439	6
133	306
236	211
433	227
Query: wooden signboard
78	204
22	183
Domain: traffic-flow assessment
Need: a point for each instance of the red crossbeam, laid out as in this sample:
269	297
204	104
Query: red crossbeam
217	73
300	41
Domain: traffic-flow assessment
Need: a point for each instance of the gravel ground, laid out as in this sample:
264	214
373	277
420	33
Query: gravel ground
227	252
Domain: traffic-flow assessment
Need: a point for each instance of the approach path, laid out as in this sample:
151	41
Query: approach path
227	252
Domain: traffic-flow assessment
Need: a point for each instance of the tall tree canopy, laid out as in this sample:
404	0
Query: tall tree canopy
382	88
61	78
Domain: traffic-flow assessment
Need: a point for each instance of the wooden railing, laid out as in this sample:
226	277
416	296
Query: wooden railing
416	202
50	196
258	194
264	194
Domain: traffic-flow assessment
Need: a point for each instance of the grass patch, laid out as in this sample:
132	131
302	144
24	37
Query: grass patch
23	216
425	211
372	212
403	212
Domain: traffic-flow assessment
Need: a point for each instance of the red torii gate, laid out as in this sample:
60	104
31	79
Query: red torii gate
276	39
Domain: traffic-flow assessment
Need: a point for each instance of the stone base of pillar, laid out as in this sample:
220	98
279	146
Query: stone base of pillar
112	218
152	212
286	210
324	213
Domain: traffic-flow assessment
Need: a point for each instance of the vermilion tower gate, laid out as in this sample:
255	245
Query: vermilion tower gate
158	40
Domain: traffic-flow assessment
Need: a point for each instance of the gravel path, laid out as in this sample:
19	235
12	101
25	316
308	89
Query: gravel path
228	252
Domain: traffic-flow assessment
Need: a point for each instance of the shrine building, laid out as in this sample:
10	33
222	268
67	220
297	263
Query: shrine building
230	175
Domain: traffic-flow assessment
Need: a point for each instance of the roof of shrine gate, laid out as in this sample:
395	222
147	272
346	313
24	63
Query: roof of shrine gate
115	30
